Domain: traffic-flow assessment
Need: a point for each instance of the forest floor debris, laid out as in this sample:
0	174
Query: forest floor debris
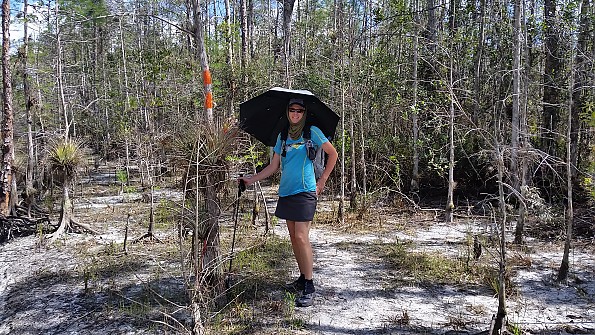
87	284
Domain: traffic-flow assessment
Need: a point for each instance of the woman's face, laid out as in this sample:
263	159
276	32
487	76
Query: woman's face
296	112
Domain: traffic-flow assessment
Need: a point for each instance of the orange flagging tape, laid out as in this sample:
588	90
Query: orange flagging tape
209	100
206	76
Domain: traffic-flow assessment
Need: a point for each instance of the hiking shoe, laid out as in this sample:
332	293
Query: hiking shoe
297	285
306	300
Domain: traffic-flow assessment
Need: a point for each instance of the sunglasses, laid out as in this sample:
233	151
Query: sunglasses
297	110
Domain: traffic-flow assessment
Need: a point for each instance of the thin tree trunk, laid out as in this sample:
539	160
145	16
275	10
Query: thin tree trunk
229	58
430	33
196	314
287	12
524	128
127	102
7	124
353	176
211	260
29	191
477	63
415	112
197	291
450	206
338	22
243	35
150	234
500	321
341	213
304	41
59	76
201	53
565	265
578	100
65	214
516	111
250	22
362	151
551	79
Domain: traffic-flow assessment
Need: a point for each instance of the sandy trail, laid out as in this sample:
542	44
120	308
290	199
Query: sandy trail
41	289
353	295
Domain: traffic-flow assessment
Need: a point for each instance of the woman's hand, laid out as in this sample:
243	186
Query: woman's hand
320	185
265	173
246	180
330	165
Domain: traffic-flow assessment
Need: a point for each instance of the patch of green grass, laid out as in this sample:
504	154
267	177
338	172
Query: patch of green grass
295	323
129	189
264	261
134	308
259	299
432	268
225	323
514	329
164	214
260	270
121	176
289	300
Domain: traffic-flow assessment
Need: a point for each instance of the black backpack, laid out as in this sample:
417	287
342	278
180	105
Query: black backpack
316	155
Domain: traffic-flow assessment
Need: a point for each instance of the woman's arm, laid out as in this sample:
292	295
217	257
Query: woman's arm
332	154
264	173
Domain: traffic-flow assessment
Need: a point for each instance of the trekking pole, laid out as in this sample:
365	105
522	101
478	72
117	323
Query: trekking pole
241	188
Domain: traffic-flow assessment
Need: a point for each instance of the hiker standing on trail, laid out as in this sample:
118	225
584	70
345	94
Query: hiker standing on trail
298	190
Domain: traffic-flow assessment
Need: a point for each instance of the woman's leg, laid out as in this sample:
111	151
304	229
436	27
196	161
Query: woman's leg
291	228
299	233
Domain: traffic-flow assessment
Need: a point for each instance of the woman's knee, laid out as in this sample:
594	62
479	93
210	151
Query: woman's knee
301	236
301	239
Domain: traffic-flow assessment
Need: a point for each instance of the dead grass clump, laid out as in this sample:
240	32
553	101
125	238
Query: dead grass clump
374	221
264	261
327	218
456	323
399	319
517	260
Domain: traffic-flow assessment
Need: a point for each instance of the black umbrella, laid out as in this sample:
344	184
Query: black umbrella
264	116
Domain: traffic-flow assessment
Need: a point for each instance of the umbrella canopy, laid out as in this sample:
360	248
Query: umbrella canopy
264	116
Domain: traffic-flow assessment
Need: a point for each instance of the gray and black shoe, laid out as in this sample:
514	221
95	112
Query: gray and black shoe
306	300
296	286
307	297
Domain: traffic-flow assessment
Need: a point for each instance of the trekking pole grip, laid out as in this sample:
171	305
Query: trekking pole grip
241	185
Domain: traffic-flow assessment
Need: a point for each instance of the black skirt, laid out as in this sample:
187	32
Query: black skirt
298	207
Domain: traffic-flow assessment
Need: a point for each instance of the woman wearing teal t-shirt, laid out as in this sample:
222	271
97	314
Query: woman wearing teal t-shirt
298	191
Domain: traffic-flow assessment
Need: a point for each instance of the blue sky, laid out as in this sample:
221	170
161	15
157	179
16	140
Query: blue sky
16	23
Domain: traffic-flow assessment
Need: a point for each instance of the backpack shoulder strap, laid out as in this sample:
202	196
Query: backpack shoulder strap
310	146
307	134
283	140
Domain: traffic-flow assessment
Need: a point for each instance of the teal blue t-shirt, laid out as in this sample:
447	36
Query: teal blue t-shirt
297	170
